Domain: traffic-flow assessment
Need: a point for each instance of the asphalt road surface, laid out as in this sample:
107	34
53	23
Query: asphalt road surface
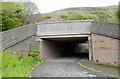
63	67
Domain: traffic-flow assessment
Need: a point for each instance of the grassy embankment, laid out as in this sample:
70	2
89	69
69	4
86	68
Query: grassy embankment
17	66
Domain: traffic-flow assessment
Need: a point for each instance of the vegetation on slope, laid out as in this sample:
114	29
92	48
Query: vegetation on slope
17	66
104	14
11	15
15	14
76	16
117	12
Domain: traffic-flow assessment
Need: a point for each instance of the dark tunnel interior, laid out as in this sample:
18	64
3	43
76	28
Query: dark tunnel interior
75	47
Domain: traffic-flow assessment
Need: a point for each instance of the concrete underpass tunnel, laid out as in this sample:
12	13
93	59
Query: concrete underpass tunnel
64	47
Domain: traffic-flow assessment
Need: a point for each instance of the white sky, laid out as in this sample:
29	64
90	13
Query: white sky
46	6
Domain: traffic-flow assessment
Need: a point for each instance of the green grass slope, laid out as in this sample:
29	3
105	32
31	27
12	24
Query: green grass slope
59	14
17	66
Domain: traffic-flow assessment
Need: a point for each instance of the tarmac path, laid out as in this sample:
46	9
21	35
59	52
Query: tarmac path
63	67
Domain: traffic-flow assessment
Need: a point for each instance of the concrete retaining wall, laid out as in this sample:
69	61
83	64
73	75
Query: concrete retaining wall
18	39
106	29
105	49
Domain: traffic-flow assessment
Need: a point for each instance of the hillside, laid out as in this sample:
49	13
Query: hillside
57	15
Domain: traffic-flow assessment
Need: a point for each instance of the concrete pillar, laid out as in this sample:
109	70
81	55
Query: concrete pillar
90	48
39	41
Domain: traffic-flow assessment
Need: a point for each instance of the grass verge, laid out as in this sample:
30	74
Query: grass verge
114	76
0	65
91	69
106	64
17	66
94	70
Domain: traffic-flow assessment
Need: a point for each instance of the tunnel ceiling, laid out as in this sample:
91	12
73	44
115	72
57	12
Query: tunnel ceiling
80	39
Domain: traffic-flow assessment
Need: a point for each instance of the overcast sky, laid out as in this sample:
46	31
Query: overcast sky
46	6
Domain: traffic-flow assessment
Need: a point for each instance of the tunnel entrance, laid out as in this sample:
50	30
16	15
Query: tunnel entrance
64	47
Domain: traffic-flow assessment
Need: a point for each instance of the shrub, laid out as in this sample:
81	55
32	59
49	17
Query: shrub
10	23
104	17
47	17
12	14
76	16
117	12
63	16
91	16
97	12
34	54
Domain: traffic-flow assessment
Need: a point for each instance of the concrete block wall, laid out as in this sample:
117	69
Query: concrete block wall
18	39
106	29
105	49
49	49
23	47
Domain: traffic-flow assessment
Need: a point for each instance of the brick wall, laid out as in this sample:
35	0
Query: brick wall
105	49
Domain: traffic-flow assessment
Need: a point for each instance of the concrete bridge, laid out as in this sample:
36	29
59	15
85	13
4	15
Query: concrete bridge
58	39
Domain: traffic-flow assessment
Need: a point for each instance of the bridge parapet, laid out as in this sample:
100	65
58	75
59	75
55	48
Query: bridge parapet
64	28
